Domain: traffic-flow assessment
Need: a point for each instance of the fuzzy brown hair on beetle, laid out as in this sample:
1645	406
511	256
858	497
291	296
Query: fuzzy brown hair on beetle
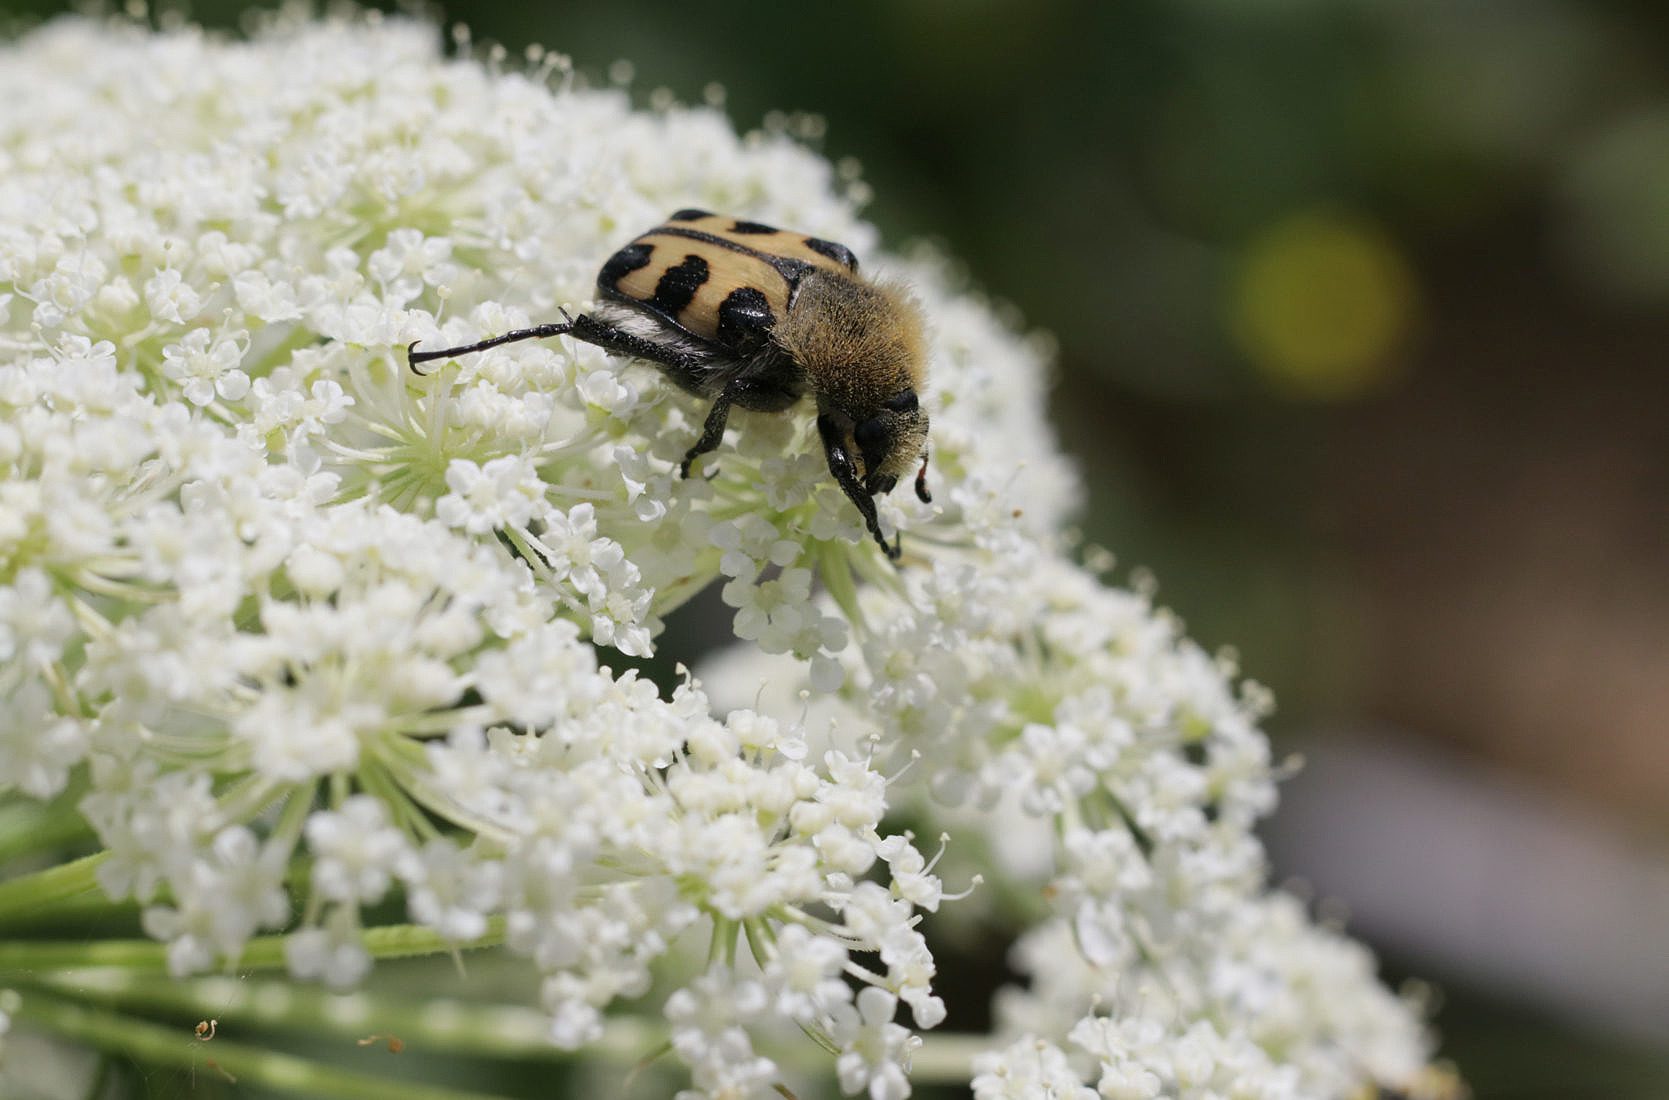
756	318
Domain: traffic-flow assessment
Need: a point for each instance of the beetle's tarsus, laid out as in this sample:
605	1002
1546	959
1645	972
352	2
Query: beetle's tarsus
411	362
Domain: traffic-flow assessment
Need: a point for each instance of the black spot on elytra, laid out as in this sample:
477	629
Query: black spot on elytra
678	285
744	319
839	253
690	214
752	227
623	263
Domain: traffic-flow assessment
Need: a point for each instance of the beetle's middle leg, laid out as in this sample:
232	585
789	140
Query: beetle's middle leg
746	393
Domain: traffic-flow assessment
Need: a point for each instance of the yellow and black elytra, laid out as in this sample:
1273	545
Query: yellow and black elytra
757	318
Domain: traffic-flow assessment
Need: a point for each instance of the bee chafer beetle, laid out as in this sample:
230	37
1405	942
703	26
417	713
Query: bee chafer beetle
757	318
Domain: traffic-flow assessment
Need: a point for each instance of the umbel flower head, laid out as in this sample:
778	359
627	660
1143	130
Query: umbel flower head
304	637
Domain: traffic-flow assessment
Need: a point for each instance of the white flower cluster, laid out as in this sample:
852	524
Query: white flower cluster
1113	768
273	595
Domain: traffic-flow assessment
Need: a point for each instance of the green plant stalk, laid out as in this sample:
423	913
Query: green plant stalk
395	941
83	909
433	1024
158	1044
27	828
946	1058
436	1023
27	895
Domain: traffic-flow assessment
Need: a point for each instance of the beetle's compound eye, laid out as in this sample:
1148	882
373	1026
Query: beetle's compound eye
905	402
870	435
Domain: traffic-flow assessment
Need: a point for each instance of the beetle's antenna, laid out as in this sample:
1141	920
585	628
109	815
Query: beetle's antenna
537	332
921	482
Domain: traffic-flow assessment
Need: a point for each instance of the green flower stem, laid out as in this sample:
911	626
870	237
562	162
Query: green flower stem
433	1023
30	827
27	895
395	941
835	567
46	832
945	1058
436	1024
93	911
159	1044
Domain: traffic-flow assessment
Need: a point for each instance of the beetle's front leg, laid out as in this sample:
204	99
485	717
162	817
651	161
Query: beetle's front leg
846	476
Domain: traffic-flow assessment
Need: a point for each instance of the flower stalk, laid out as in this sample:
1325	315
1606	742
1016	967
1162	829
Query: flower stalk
32	896
229	1060
402	941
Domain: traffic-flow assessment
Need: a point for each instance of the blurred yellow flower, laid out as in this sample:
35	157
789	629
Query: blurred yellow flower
1321	303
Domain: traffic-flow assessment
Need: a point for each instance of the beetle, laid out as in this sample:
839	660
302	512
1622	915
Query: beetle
756	317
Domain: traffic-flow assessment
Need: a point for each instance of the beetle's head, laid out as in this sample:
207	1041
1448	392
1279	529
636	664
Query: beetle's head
890	440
